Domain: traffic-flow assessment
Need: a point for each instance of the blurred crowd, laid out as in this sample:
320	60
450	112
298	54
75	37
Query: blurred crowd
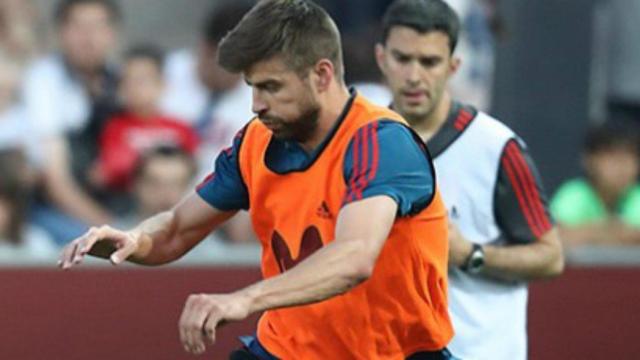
91	134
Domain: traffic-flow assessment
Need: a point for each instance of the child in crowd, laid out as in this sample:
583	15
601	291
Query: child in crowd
140	126
602	208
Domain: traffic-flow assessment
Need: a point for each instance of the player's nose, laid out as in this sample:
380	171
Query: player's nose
258	105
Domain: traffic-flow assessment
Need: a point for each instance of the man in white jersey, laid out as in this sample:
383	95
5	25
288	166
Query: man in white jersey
501	235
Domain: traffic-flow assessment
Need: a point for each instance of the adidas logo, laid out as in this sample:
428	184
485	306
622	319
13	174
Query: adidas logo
323	211
454	213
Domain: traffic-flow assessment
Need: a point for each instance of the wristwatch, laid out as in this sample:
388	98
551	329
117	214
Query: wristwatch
475	260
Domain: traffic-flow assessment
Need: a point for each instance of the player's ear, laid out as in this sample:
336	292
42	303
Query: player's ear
379	53
454	64
323	74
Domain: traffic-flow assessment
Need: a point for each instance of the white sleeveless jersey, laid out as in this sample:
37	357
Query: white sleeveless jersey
489	317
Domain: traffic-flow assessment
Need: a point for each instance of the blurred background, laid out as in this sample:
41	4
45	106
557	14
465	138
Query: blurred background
111	111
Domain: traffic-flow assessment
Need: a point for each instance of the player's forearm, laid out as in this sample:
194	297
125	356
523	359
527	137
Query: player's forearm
330	271
541	259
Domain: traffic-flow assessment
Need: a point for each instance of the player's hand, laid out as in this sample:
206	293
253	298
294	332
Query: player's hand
459	247
204	313
125	244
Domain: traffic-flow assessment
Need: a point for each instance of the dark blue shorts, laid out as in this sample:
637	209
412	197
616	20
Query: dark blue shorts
254	350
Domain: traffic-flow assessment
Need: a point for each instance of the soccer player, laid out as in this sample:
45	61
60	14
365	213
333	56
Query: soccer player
342	196
501	235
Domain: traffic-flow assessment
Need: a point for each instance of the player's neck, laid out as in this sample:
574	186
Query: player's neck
432	123
330	111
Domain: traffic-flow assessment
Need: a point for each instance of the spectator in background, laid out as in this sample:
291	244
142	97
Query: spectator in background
141	125
18	239
18	38
604	207
361	70
216	102
67	96
15	132
161	178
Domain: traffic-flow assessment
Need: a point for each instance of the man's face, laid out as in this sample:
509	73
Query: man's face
87	36
162	184
283	100
613	170
142	85
417	67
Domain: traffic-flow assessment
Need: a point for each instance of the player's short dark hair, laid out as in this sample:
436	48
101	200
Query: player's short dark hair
609	137
64	8
222	18
147	52
422	16
164	152
298	30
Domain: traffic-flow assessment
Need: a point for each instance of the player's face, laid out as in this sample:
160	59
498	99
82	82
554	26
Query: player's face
283	100
417	67
88	36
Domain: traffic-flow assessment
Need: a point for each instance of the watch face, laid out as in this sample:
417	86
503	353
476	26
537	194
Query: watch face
476	261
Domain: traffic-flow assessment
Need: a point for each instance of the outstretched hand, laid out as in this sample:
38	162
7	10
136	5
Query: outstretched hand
123	243
204	313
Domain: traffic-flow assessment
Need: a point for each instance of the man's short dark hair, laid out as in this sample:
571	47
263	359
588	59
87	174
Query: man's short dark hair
298	30
147	52
222	18
610	137
163	152
64	8
422	16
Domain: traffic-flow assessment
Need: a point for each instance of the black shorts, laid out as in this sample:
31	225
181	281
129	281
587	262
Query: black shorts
244	354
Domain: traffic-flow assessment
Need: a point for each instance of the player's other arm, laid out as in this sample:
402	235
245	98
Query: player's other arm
361	231
160	239
533	249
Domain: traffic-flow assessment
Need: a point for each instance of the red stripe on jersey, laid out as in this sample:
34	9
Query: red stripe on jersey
356	166
531	186
362	175
463	119
206	180
374	144
520	194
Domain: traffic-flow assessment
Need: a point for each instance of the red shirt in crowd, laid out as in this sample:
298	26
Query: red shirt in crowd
127	136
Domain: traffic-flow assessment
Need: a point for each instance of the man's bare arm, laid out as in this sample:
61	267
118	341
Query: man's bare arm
361	232
158	240
541	259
